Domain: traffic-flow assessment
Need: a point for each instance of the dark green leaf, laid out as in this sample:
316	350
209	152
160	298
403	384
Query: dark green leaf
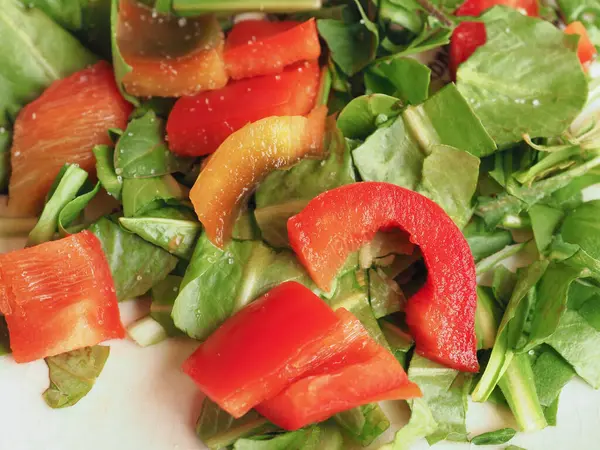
494	437
582	227
73	374
364	424
141	195
544	221
304	439
551	373
363	115
551	412
110	181
536	88
217	429
483	242
579	344
73	210
219	282
405	78
163	296
174	235
68	183
135	264
142	152
445	393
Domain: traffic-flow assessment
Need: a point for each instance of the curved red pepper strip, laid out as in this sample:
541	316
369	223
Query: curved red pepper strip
441	316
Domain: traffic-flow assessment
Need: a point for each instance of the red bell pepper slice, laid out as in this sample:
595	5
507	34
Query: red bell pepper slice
318	397
62	125
586	51
198	125
169	56
58	296
441	316
250	53
260	350
468	36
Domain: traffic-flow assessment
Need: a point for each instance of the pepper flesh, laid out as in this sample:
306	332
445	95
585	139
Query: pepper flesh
586	51
441	315
244	159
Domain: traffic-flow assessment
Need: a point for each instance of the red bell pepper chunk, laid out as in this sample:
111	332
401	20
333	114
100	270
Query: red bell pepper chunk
62	126
58	296
198	125
318	397
260	350
250	53
441	316
586	51
468	36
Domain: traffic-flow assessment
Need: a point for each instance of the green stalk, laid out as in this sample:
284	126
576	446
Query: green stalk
518	386
491	261
192	7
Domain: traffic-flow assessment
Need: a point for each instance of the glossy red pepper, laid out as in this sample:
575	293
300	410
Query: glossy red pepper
441	315
586	51
468	36
197	125
365	373
58	296
260	47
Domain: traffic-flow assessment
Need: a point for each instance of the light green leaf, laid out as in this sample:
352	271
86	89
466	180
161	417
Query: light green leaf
494	437
135	264
551	373
582	227
421	424
364	424
73	374
218	282
141	195
484	242
544	221
385	295
487	319
73	210
142	152
304	439
524	80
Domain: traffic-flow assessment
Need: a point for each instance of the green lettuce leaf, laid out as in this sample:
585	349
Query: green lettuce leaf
484	242
141	195
219	282
363	115
135	264
73	374
385	295
142	151
445	393
551	373
404	78
363	424
163	296
421	424
536	88
105	170
544	221
304	439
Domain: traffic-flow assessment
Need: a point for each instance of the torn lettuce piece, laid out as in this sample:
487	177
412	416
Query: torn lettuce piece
142	152
217	429
445	393
217	283
421	424
484	242
363	424
169	232
544	222
385	295
105	170
74	209
135	264
540	96
141	195
303	439
551	373
73	374
404	78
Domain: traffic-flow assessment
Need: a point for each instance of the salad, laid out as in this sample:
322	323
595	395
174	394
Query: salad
340	202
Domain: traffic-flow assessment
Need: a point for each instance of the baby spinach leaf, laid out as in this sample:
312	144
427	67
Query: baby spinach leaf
363	115
142	151
105	169
217	429
494	437
303	439
421	424
445	393
4	337
73	374
353	42
163	296
446	118
484	242
66	186
581	227
219	282
363	424
405	78
176	236
285	192
135	264
539	96
141	195
579	344
551	373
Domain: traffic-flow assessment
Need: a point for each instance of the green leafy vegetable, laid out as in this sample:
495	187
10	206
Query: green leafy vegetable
135	264
73	374
146	331
484	242
173	235
385	295
494	437
551	373
110	181
141	195
218	429
364	424
585	11
73	210
544	221
540	96
304	439
445	393
219	282
142	152
404	78
421	424
66	186
487	318
163	295
363	115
